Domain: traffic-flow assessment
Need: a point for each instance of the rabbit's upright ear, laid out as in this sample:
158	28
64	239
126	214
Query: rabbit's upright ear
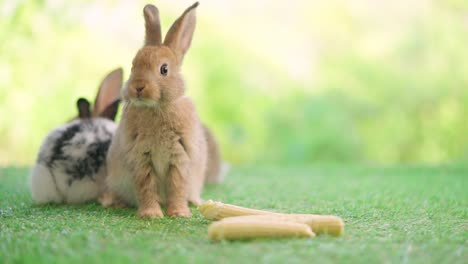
152	25
108	97
180	34
83	108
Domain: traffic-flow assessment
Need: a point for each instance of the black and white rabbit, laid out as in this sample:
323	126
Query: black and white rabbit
71	164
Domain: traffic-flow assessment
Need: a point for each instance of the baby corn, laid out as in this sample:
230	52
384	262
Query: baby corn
320	224
216	210
239	229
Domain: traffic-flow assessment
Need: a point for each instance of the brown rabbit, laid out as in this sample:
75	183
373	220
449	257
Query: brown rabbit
161	152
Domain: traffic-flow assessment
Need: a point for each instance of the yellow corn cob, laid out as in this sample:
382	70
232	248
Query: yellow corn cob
320	224
216	210
238	229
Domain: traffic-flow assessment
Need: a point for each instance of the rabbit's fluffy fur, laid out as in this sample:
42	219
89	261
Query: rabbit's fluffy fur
161	150
71	164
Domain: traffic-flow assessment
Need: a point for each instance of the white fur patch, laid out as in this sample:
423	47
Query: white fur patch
43	188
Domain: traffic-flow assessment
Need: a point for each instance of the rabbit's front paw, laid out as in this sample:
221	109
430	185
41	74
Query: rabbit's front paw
179	211
107	199
150	212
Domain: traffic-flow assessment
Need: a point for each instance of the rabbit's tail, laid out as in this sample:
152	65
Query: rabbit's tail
219	175
43	185
216	169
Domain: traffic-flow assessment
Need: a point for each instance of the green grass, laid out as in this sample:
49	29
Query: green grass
392	215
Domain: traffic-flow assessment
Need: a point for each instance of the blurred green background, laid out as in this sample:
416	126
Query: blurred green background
285	82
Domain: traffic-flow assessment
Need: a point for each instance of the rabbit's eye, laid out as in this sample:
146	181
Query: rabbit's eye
163	69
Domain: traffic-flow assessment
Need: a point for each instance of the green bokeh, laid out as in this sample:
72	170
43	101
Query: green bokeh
389	85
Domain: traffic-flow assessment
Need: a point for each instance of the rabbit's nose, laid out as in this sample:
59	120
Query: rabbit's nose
139	88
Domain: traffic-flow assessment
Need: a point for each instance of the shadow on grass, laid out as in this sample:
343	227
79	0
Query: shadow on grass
96	210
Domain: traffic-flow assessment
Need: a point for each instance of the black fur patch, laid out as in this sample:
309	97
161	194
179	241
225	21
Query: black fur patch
91	163
62	141
88	164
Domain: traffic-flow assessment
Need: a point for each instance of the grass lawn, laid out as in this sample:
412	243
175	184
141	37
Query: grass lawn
392	215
